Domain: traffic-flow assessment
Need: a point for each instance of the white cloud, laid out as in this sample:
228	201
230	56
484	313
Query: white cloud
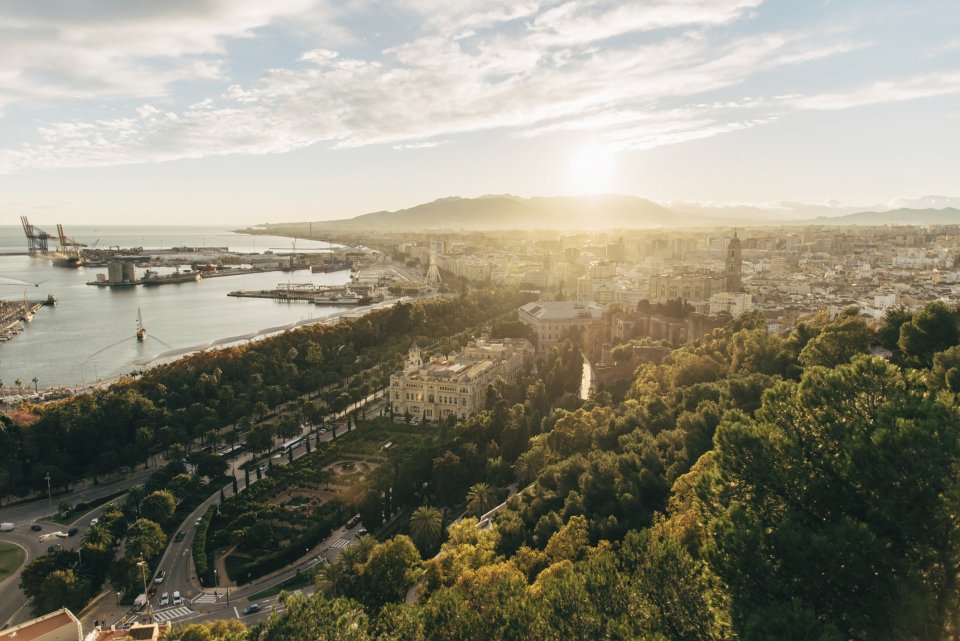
52	51
921	86
558	67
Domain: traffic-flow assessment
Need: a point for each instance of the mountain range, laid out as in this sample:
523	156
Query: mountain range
613	211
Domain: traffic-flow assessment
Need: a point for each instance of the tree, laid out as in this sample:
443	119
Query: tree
61	589
158	506
479	499
259	439
931	330
390	572
426	524
145	538
837	343
830	512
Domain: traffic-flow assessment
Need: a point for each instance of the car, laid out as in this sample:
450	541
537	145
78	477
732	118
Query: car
362	531
198	521
179	536
72	531
264	467
323	430
177	599
94	521
35	527
165	599
253	608
352	522
161	575
53	548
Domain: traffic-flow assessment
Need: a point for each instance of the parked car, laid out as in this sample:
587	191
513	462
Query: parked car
253	608
165	599
178	537
94	521
35	527
352	522
161	575
362	531
177	599
6	527
72	531
198	521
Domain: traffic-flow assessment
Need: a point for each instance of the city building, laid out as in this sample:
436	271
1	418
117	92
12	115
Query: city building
550	320
456	385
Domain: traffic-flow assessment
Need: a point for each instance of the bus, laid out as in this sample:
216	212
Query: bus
292	444
230	451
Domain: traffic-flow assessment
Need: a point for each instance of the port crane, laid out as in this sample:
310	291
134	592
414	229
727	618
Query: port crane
68	245
37	239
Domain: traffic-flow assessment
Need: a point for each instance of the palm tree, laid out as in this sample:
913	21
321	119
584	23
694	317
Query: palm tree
36	386
19	385
479	498
98	537
333	577
426	523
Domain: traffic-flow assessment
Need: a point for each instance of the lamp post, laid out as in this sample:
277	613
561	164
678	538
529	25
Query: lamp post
143	572
49	495
118	599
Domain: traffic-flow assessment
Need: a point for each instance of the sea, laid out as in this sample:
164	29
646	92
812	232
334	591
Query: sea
90	335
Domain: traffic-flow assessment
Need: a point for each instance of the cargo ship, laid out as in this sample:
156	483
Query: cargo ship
154	278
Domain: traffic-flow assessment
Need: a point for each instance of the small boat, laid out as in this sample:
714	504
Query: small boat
27	314
141	330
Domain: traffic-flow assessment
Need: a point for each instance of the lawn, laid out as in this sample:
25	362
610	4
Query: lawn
11	556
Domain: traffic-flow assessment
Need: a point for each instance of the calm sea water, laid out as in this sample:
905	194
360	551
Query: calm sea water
90	335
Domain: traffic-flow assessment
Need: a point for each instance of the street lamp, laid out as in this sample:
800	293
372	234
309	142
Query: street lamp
143	571
118	599
49	495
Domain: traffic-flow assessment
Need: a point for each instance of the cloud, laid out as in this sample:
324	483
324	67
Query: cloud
59	50
920	86
529	68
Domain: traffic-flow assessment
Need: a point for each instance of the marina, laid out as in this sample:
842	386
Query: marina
91	334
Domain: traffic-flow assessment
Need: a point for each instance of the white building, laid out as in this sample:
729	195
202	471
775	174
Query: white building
550	320
456	385
732	303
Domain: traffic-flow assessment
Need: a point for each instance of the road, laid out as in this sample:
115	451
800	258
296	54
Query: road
177	560
210	602
12	600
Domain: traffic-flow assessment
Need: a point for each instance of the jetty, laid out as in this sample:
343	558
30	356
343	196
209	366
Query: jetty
316	294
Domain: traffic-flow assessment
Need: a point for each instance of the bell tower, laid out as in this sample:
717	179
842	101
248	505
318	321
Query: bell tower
734	264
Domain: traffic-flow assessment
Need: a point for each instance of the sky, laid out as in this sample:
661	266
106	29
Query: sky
245	111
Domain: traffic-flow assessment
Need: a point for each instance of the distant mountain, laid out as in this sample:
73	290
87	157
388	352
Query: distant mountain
512	212
947	216
612	212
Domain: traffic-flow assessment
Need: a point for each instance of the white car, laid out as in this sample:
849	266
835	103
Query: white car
177	599
94	521
165	599
161	575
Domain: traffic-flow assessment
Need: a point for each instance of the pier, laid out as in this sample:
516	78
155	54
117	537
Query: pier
13	315
316	294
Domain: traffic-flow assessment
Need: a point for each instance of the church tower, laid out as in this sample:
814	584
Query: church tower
734	264
414	360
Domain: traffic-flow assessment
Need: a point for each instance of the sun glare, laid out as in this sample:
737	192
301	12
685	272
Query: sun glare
592	169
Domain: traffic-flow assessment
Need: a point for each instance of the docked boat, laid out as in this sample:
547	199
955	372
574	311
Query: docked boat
154	278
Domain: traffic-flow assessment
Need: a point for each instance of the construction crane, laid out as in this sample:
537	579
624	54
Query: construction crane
68	245
37	239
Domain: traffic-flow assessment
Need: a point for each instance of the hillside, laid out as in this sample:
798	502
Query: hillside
946	216
512	212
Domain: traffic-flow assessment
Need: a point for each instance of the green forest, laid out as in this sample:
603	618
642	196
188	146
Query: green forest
751	486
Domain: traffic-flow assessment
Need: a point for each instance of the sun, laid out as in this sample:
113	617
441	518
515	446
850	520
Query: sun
592	168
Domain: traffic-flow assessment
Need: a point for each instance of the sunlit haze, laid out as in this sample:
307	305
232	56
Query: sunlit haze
243	111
